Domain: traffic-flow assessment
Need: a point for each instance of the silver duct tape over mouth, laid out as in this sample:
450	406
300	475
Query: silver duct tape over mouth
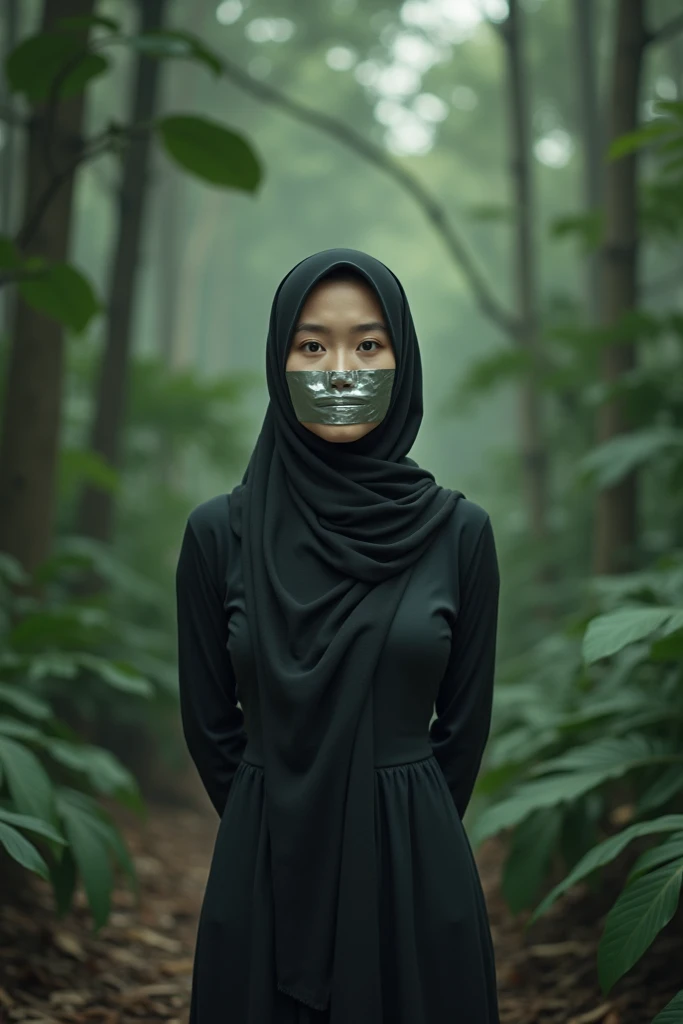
317	397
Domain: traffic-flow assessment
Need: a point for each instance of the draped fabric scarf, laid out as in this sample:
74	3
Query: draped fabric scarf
364	513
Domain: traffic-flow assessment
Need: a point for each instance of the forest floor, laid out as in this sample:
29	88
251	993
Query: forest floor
138	968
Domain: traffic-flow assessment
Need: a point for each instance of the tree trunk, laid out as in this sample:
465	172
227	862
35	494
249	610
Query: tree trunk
7	157
615	540
96	509
534	455
31	421
591	131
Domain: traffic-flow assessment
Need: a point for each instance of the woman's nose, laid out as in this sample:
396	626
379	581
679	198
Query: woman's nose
339	379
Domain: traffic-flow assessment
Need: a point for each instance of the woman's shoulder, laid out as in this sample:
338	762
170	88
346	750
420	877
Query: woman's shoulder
210	515
469	518
469	522
209	522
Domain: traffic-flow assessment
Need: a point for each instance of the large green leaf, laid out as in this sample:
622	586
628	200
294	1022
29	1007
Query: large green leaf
19	730
25	702
670	849
672	1012
63	293
605	852
104	771
607	634
211	151
104	828
117	675
34	65
532	846
28	782
643	908
91	855
21	850
26	821
532	796
612	755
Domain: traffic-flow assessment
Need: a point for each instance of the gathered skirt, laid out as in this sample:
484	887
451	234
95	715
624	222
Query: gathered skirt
437	958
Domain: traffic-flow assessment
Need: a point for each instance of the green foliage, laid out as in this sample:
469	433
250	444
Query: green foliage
211	152
52	63
61	292
50	779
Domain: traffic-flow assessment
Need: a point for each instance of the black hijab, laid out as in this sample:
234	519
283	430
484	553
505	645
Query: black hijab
329	533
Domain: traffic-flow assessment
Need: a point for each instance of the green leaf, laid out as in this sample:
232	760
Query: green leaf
117	675
21	850
632	141
34	65
104	771
104	828
19	730
661	791
210	151
63	875
533	796
532	846
612	461
31	824
78	466
28	782
27	703
612	755
670	849
672	1012
588	227
9	257
673	107
607	634
605	852
94	21
64	294
643	908
91	855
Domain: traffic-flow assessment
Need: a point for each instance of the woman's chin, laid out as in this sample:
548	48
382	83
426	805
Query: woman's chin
340	434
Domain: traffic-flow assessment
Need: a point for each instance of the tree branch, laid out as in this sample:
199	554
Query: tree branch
374	154
666	32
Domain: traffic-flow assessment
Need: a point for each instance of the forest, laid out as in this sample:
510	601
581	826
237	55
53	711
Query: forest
519	165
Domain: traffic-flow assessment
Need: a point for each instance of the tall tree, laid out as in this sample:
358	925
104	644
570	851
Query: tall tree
615	539
31	414
592	139
531	428
96	508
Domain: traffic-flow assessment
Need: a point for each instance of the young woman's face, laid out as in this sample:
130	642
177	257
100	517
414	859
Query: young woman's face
341	327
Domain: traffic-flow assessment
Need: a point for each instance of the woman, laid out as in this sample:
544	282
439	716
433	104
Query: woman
340	596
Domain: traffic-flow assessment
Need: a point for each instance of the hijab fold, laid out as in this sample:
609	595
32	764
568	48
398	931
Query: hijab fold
330	533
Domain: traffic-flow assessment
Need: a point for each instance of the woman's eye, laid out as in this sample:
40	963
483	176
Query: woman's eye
367	341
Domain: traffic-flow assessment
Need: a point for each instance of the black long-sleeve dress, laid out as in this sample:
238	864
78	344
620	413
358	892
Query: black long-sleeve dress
432	707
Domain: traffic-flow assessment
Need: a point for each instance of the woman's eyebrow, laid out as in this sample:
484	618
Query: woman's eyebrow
371	325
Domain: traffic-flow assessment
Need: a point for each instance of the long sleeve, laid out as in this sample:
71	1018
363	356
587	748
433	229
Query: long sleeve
213	723
463	706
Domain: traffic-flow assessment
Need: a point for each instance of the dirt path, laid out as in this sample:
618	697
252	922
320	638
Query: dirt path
138	968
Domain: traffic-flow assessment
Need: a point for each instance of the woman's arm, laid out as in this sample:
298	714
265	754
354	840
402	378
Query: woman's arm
463	706
213	723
